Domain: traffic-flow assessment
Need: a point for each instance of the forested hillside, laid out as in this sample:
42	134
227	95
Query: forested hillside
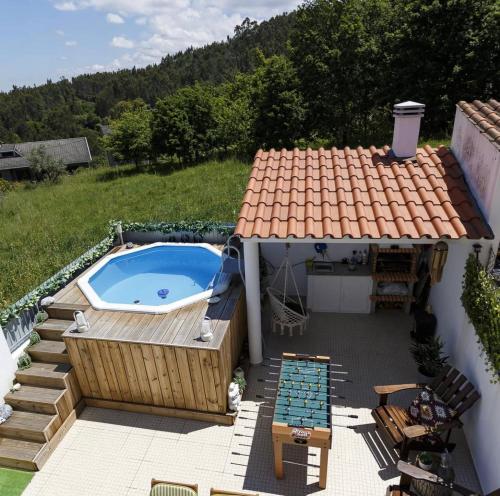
74	107
328	73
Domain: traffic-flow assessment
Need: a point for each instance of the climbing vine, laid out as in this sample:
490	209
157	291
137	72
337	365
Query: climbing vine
194	231
481	300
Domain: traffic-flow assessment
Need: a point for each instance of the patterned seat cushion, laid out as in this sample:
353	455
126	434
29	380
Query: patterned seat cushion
171	490
429	410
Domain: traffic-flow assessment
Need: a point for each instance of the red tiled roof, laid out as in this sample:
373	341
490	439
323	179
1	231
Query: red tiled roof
486	116
358	193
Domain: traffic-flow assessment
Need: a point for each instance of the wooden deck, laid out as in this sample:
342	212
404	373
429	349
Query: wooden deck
132	360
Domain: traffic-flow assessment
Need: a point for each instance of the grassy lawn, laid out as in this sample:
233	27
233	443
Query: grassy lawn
44	228
13	482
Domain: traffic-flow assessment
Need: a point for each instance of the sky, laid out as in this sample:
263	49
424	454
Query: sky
50	39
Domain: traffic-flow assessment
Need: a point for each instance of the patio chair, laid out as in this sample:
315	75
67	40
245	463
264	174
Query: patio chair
287	312
221	492
165	488
404	434
411	472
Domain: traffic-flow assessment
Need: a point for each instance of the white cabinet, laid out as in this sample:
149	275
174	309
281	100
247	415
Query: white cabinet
355	294
323	293
342	294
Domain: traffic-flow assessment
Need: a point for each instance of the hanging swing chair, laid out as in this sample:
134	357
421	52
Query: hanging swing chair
287	312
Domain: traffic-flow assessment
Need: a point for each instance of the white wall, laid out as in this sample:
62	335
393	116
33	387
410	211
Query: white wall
479	159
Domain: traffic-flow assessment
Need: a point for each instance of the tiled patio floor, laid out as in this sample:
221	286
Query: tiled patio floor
109	452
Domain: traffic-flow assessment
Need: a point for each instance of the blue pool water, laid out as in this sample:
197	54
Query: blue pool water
139	277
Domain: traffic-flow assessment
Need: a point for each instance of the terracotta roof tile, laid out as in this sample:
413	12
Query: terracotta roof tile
358	193
486	116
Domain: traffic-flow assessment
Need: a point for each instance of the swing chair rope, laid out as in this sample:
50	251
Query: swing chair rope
288	268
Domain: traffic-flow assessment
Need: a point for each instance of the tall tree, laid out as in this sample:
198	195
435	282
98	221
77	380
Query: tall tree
184	124
444	51
130	137
279	106
338	48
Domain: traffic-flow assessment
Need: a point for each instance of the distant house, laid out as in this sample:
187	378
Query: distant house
14	157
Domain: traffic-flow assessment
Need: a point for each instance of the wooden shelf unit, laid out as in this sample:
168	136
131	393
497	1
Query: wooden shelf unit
394	265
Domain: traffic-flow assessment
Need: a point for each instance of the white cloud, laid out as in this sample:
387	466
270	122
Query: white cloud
71	43
66	6
114	19
122	42
174	25
59	32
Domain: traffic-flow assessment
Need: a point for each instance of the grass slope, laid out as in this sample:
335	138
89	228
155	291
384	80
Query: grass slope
13	482
43	229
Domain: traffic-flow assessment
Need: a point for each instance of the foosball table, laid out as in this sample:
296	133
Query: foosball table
302	413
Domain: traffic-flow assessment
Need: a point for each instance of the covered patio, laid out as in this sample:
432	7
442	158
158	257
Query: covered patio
115	452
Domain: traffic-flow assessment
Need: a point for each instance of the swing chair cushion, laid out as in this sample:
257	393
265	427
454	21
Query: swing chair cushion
282	311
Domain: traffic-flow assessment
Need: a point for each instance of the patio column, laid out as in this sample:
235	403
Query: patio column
252	283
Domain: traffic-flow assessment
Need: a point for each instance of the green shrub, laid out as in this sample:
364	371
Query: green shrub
24	362
41	316
481	301
6	186
44	166
34	338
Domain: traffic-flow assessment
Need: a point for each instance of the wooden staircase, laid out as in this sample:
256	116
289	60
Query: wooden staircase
49	399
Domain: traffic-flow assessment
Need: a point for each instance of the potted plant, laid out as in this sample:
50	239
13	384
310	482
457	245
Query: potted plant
242	383
429	356
424	460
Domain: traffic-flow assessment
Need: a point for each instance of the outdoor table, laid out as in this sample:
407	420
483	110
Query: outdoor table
302	413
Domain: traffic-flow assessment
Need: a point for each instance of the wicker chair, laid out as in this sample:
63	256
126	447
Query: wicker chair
165	488
283	315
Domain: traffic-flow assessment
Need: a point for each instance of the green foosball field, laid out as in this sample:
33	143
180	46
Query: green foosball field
302	412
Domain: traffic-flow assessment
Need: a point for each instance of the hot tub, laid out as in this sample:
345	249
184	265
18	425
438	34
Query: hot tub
157	278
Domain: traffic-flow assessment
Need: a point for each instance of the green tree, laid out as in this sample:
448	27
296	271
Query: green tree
44	166
279	106
184	125
130	137
338	48
444	51
234	116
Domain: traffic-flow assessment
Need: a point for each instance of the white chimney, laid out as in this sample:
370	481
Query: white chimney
407	116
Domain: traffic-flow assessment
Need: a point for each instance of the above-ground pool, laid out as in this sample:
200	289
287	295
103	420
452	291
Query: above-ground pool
156	278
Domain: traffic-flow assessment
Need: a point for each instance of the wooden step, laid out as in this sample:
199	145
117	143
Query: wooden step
50	375
30	426
395	277
36	399
392	298
49	351
64	310
16	453
52	329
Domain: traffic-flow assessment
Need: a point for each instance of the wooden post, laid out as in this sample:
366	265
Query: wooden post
323	467
278	457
